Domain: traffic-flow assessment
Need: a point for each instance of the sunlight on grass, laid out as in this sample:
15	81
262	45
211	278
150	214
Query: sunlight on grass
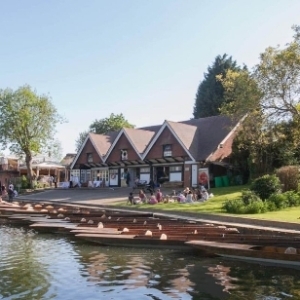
214	206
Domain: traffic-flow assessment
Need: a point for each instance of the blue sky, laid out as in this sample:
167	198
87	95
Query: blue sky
142	58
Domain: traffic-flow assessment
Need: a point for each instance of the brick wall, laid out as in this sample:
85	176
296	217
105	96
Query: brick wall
166	137
88	148
122	143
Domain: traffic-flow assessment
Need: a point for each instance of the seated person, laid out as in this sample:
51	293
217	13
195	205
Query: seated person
189	197
130	198
186	191
205	195
152	199
159	195
181	198
142	196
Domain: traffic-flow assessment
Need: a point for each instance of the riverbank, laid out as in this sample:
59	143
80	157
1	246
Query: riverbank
115	199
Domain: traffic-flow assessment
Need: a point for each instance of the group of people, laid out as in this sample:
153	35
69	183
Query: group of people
10	192
142	197
186	196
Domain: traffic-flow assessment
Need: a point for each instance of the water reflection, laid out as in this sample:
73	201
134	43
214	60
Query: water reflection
22	272
54	267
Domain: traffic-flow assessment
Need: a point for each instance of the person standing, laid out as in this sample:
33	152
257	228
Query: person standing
10	193
55	181
128	179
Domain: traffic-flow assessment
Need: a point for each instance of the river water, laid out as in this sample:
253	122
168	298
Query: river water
45	266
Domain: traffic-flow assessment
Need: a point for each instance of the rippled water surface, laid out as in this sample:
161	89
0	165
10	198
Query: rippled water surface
36	266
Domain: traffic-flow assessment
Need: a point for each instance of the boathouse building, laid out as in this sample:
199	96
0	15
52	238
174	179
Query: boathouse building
185	153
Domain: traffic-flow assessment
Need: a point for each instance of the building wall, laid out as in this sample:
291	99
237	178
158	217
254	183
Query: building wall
88	148
122	143
165	138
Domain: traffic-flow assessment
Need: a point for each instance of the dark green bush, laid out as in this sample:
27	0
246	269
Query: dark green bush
256	207
270	206
265	186
289	177
292	198
249	197
233	206
279	200
238	207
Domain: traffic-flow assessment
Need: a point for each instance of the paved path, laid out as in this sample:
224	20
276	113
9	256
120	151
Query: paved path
110	197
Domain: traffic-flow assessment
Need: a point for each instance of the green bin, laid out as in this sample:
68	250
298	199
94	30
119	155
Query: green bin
225	180
218	182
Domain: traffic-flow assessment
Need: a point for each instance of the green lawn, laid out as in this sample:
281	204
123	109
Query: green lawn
214	206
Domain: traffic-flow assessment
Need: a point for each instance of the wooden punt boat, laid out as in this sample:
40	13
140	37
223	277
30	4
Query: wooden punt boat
133	241
284	255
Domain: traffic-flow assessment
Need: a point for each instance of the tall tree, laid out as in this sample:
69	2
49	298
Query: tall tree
27	123
114	122
278	77
271	93
210	94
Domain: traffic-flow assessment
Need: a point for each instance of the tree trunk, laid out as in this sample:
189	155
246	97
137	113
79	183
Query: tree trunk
28	159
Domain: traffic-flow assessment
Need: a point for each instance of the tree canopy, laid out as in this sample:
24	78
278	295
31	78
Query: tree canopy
27	123
210	94
114	122
270	97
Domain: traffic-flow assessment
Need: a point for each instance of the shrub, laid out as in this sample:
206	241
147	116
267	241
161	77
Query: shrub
279	200
233	206
24	182
249	197
289	178
292	198
271	206
256	207
265	186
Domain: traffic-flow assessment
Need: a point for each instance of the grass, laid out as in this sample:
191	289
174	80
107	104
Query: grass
214	206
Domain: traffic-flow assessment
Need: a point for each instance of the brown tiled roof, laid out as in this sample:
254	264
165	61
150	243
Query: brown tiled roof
186	133
103	142
201	137
139	138
68	159
211	131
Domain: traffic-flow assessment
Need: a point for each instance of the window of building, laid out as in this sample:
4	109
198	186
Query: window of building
102	174
174	169
144	170
85	176
124	154
89	157
167	150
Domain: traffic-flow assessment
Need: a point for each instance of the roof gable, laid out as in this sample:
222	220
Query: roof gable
139	138
211	131
167	125
186	133
100	142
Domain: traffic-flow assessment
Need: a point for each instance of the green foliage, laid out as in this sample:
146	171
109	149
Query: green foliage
293	198
249	197
238	206
279	200
234	206
24	182
27	122
289	177
210	94
265	186
104	126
